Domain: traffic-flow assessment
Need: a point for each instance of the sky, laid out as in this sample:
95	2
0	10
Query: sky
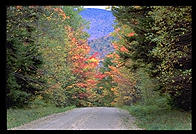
99	7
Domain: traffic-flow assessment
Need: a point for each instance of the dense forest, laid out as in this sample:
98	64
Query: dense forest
155	44
48	59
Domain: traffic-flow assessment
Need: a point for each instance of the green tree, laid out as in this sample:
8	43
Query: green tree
159	39
23	59
173	26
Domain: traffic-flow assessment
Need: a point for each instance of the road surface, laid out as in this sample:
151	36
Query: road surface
89	118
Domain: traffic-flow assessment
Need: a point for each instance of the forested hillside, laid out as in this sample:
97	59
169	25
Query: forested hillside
102	45
100	27
100	22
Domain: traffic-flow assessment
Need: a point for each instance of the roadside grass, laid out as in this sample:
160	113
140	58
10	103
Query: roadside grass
150	118
20	116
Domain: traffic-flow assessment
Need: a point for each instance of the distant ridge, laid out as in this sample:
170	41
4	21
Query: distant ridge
101	22
101	26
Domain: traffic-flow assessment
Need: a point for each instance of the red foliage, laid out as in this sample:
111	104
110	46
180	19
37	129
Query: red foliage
100	76
82	95
94	55
91	82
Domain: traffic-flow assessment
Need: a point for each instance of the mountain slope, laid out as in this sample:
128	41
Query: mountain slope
101	25
101	45
101	22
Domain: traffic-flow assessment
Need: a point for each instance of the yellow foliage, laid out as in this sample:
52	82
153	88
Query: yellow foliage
69	86
39	97
93	60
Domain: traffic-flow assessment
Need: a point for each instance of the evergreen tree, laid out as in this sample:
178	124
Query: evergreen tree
23	59
159	39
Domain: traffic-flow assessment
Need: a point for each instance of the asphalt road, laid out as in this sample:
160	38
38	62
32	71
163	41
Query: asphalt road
89	118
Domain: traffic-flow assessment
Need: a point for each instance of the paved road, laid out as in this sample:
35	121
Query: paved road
89	118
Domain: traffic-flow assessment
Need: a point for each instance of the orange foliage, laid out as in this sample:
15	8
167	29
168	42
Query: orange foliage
123	49
115	45
19	7
91	82
61	12
100	76
131	34
83	66
117	29
109	56
83	85
33	6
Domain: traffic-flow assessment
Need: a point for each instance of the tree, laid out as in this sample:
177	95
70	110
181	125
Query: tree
158	39
23	58
174	47
65	53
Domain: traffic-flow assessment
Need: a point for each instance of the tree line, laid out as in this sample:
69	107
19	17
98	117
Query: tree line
48	59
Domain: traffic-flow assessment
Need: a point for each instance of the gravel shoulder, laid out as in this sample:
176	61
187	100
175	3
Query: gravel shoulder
88	118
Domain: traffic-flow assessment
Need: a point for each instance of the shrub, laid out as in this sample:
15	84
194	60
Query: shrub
38	102
150	95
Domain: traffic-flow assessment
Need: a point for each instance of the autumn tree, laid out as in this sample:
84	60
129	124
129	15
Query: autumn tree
83	66
153	38
65	55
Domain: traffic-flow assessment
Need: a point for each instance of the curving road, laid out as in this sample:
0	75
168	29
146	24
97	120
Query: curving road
89	118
